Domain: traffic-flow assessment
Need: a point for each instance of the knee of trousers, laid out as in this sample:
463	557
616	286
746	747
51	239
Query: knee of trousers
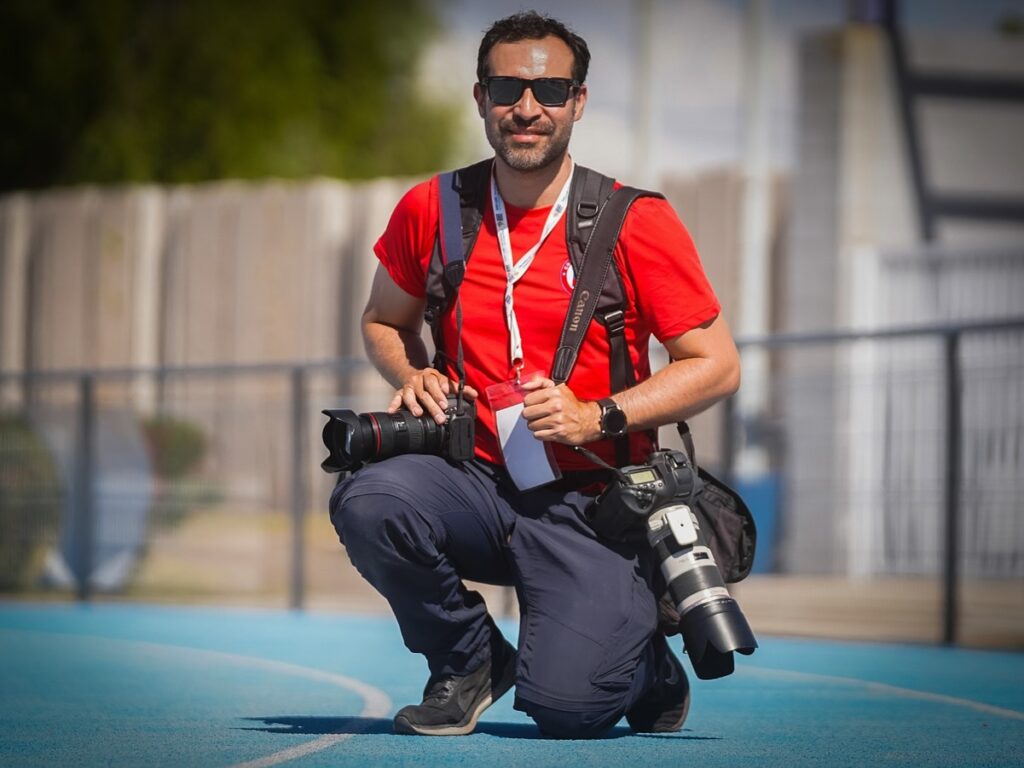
572	724
373	524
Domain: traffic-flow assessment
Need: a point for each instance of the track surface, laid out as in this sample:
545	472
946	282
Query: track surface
140	686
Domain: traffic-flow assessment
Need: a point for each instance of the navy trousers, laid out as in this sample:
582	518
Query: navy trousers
416	526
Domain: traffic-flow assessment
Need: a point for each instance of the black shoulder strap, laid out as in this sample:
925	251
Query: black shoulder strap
591	279
587	195
594	190
461	204
597	296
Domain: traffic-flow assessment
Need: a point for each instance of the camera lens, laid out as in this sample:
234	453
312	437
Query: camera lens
711	622
401	432
711	631
353	439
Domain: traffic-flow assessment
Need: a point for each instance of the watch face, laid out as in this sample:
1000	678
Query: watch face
613	421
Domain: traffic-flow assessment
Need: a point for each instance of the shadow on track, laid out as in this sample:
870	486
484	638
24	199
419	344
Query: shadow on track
320	726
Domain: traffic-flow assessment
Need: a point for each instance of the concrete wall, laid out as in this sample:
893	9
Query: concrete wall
859	500
236	272
208	274
711	206
218	273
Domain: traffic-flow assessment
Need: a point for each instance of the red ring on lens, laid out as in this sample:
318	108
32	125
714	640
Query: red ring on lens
376	433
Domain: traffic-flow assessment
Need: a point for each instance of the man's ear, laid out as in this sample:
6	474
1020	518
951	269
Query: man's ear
579	103
481	99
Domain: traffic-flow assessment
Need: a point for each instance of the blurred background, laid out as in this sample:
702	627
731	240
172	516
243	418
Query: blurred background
189	195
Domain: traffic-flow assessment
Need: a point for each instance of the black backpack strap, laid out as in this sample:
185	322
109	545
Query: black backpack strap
588	193
597	233
611	313
588	295
591	279
462	199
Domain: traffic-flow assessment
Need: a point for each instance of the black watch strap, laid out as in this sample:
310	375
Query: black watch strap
613	418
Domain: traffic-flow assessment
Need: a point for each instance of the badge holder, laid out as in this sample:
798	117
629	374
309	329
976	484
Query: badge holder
530	462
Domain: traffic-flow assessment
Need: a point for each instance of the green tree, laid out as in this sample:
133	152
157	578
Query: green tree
30	502
190	90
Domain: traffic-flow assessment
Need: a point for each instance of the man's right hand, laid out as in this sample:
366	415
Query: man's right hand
391	326
427	390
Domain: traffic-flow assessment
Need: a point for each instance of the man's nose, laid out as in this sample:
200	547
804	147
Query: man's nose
527	107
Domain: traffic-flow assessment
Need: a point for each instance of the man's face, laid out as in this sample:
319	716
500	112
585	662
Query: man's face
528	135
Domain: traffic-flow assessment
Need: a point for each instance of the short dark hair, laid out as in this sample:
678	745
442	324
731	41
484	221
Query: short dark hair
530	25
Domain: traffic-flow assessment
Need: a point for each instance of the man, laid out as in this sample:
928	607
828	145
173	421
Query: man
415	526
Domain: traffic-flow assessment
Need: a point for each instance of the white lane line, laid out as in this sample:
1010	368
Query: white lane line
376	703
884	688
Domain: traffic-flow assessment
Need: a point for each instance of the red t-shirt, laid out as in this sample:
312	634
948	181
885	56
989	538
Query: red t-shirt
667	295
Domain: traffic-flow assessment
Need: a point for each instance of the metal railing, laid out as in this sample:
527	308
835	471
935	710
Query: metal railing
82	491
294	402
951	336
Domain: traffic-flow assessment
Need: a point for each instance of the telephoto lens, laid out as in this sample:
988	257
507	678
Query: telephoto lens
353	438
711	622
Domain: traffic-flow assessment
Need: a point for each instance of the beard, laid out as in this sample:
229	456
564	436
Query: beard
550	149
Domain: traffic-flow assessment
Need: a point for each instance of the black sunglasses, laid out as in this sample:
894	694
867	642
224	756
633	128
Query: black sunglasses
549	91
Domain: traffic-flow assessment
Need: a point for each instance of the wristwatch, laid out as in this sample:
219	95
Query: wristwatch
613	418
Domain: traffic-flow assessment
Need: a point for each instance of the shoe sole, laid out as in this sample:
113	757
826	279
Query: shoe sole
402	725
671	728
676	725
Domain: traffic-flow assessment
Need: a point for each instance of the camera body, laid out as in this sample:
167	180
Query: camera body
622	509
656	499
353	439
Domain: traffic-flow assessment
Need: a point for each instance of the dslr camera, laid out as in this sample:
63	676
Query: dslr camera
656	498
355	438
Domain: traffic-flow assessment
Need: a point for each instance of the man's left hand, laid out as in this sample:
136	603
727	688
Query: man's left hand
553	413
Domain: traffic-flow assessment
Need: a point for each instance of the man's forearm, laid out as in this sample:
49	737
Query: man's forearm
677	392
396	353
705	369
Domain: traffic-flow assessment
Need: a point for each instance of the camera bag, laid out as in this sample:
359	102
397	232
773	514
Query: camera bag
593	220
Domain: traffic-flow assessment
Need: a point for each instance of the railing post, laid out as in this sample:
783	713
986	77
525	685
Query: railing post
954	440
83	523
298	571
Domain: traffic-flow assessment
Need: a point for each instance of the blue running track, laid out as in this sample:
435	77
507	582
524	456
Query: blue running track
127	685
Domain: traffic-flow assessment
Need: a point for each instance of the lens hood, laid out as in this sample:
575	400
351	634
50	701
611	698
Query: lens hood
337	437
711	632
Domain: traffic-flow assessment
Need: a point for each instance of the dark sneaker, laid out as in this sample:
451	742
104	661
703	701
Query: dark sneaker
663	709
452	703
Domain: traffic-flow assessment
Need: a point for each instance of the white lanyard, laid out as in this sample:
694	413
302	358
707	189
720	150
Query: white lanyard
514	271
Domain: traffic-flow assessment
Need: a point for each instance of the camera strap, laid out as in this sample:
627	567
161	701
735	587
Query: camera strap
597	260
591	278
453	259
593	457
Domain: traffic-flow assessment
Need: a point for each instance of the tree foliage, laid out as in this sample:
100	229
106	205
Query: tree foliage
189	90
30	502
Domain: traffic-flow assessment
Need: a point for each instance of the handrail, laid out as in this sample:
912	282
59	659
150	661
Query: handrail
343	365
900	331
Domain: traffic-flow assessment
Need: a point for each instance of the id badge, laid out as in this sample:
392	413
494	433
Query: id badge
529	461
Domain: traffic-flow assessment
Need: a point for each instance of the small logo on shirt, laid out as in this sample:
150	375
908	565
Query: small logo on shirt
568	277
